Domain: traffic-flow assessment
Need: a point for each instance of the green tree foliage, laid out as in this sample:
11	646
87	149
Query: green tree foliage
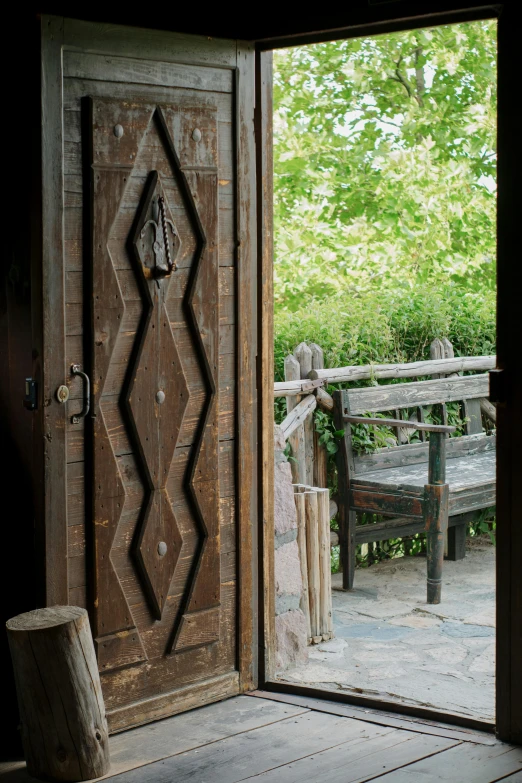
385	163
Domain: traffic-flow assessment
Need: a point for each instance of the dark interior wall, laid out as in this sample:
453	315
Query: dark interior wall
17	575
270	22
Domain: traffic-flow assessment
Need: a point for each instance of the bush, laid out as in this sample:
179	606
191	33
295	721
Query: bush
397	325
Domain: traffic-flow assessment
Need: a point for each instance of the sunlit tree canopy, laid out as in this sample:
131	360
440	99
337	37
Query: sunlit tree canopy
385	163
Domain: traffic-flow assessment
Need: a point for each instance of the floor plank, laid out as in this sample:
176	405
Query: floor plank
381	718
155	741
477	764
355	762
245	755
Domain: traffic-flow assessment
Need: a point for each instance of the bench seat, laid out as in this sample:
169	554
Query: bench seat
474	475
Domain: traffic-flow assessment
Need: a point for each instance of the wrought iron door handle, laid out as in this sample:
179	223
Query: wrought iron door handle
75	370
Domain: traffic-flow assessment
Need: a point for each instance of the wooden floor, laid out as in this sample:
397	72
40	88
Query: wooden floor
275	738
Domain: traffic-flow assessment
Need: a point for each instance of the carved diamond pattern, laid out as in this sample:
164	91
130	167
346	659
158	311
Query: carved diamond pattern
157	399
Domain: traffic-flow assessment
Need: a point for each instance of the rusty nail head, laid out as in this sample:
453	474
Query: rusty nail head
118	131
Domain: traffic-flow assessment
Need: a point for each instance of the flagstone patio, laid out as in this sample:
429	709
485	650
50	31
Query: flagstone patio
391	644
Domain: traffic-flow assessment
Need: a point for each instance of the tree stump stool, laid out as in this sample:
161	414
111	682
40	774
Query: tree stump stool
64	729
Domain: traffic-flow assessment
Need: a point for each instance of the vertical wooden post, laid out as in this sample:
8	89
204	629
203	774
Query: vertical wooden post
312	553
296	441
325	571
436	495
320	456
347	518
303	354
303	560
443	349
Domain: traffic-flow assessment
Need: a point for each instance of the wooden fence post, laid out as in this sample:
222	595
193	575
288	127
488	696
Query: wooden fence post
320	456
297	441
312	553
325	570
303	559
303	354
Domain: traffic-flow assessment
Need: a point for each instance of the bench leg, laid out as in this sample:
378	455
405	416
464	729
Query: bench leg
348	553
456	542
436	524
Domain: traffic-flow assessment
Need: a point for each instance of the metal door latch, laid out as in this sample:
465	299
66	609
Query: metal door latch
31	395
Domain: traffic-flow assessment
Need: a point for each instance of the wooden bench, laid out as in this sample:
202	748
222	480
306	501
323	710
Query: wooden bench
433	486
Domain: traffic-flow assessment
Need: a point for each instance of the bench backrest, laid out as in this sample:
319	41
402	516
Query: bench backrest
393	398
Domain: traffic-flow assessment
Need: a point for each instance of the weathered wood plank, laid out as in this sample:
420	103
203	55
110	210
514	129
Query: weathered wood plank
411	395
296	440
180	734
49	369
479	764
247	352
102	67
409	370
381	717
359	760
265	244
258	751
295	388
149	44
298	415
303	353
415	453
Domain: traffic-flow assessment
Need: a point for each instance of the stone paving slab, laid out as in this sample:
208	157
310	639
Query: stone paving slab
390	643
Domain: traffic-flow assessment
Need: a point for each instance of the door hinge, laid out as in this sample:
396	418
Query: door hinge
497	386
31	395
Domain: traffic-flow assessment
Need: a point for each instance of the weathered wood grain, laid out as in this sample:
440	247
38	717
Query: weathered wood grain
265	245
303	353
409	370
64	729
411	395
298	416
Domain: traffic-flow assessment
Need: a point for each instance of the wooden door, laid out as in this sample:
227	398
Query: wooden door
158	262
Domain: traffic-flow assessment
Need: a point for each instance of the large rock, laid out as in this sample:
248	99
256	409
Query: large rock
285	515
288	570
291	649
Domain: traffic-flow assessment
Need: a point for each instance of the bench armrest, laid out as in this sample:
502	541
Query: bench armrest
414	425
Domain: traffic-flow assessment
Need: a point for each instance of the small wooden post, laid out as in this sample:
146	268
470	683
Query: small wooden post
64	729
303	560
303	354
325	570
297	442
320	456
312	553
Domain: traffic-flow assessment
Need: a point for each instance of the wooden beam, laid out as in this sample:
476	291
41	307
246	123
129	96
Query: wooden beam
295	388
298	415
409	370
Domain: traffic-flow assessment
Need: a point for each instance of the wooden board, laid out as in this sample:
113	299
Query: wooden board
479	764
411	395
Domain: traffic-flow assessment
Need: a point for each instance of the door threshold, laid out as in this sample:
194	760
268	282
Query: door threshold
381	707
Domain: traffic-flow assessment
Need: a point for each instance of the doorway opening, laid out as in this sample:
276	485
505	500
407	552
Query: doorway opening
384	277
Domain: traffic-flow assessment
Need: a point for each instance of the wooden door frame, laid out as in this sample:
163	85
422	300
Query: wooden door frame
57	34
509	466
